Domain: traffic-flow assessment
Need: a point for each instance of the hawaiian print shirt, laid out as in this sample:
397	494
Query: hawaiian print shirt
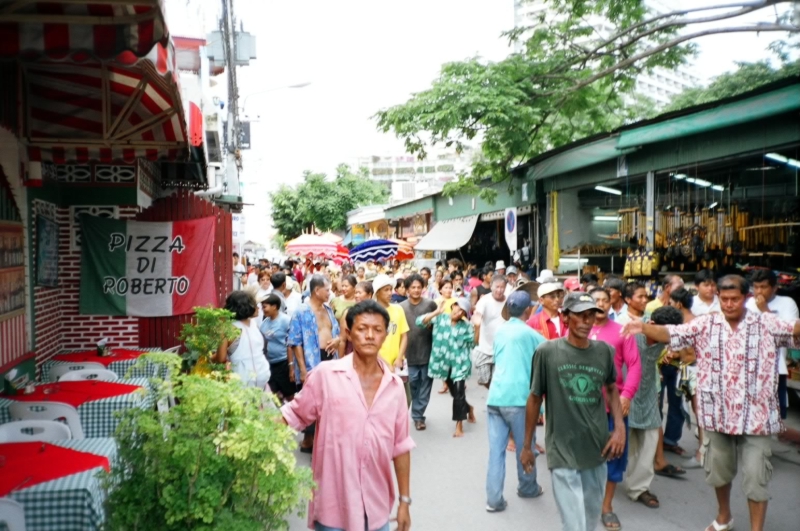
304	332
737	370
452	345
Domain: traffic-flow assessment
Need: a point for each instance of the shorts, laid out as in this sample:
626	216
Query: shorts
688	380
279	381
723	455
484	366
616	467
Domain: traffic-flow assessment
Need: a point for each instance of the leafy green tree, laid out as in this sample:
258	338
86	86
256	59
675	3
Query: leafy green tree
747	76
570	81
323	203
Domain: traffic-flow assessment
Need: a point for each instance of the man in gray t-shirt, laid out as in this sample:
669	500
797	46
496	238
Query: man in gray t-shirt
573	372
418	351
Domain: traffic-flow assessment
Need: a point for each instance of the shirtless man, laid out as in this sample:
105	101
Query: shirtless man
314	337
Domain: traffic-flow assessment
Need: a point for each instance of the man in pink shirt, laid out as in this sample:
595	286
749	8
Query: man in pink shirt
625	353
362	427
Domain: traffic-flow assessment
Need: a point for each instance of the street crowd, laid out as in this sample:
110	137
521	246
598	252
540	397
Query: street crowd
349	351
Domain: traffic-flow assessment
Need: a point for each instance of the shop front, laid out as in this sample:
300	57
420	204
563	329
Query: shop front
715	186
99	130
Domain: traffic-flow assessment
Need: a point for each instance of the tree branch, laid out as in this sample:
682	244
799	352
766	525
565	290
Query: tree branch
745	8
674	42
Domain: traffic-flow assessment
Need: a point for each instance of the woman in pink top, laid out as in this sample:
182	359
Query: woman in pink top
627	356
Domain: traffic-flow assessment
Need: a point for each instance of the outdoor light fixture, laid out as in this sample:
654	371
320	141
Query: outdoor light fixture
608	190
680	176
712	205
606	218
785	160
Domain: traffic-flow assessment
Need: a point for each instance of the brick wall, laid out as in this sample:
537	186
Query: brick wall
58	325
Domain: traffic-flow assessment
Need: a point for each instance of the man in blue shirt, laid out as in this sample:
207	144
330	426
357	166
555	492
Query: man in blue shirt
275	329
514	345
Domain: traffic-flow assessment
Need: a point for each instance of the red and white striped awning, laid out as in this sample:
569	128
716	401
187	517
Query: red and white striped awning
99	80
67	30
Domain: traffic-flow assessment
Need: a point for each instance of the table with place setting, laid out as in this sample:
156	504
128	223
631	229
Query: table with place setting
118	360
57	483
97	401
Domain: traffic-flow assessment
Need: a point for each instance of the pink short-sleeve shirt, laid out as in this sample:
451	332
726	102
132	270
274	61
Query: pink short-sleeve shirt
354	446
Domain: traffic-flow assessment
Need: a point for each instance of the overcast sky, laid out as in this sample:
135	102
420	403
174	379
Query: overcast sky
363	55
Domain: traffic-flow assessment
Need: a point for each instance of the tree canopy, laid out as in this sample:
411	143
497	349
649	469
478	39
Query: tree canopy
569	81
323	203
746	77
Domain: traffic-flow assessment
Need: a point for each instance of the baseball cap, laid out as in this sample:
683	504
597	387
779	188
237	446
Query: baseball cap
525	286
380	282
577	302
572	284
512	270
518	301
464	304
549	287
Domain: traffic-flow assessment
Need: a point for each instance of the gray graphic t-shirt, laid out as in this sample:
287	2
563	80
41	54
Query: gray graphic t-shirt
572	380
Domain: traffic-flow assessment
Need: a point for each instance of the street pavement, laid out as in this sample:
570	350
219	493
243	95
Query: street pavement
448	484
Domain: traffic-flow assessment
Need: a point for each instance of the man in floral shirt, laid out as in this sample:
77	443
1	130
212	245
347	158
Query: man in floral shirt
737	383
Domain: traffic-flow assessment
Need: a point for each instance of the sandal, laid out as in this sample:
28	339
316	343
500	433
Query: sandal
648	499
420	425
675	449
716	526
611	522
670	471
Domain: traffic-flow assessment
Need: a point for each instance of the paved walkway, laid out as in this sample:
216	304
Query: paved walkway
448	485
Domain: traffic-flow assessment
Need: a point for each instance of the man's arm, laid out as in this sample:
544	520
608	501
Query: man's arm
616	442
527	457
301	362
477	317
402	354
402	469
657	333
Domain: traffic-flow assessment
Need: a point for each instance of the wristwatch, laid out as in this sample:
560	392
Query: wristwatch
405	499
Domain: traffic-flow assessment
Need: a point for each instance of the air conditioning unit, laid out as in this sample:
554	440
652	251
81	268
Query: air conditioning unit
403	190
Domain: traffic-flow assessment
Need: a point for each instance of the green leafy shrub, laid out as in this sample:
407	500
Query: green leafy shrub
218	460
206	331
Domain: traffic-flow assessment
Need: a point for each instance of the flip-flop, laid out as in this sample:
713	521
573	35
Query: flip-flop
675	449
670	471
611	522
648	500
715	526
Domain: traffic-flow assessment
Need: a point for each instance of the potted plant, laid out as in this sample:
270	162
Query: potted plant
218	460
204	333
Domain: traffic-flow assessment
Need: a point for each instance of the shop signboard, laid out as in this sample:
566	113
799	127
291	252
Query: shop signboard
511	228
358	234
146	269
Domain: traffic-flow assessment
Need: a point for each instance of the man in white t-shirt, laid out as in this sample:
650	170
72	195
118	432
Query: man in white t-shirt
238	269
486	319
766	299
706	300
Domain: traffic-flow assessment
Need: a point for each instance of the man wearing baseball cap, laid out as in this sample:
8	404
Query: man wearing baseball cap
573	371
512	274
514	345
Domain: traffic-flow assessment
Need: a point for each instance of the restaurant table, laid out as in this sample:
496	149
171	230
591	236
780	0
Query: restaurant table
69	501
120	361
96	401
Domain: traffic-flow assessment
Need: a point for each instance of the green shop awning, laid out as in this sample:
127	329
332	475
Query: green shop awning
779	101
579	157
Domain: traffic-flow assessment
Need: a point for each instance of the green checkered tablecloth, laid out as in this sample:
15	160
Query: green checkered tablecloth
98	417
120	367
70	503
